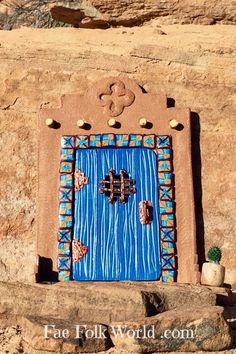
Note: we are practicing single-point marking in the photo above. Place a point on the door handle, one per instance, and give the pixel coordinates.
(145, 212)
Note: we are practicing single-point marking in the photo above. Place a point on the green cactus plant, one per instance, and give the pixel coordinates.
(214, 254)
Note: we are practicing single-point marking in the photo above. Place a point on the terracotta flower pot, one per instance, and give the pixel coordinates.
(213, 274)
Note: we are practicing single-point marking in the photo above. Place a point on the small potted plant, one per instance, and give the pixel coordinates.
(213, 273)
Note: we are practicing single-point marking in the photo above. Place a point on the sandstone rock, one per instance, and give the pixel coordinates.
(230, 315)
(135, 12)
(104, 14)
(193, 65)
(27, 334)
(11, 339)
(119, 351)
(99, 302)
(44, 334)
(188, 330)
(224, 296)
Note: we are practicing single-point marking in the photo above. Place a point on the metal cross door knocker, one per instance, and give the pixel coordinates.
(117, 186)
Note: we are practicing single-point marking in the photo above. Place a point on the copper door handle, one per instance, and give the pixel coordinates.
(145, 212)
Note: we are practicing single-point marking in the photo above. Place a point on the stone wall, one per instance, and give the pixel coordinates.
(193, 65)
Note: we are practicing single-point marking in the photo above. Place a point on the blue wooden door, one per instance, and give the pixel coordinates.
(119, 246)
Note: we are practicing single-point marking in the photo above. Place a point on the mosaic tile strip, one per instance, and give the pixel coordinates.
(166, 193)
(65, 221)
(64, 275)
(64, 263)
(63, 249)
(67, 154)
(165, 178)
(168, 248)
(65, 208)
(163, 141)
(66, 194)
(167, 234)
(135, 140)
(66, 180)
(166, 206)
(162, 146)
(167, 220)
(108, 140)
(149, 141)
(96, 140)
(168, 276)
(168, 262)
(164, 154)
(64, 235)
(122, 140)
(66, 167)
(164, 166)
(68, 141)
(82, 141)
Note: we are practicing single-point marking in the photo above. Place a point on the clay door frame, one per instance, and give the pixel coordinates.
(123, 99)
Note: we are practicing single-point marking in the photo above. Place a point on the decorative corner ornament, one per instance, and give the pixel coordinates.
(80, 180)
(78, 250)
(115, 97)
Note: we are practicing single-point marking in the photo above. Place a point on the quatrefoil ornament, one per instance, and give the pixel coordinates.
(115, 97)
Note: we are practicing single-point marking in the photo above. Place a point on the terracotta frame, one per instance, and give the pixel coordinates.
(121, 98)
(161, 145)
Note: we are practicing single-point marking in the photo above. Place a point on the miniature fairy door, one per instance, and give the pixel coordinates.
(107, 214)
(101, 141)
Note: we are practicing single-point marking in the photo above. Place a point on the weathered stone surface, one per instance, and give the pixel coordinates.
(209, 332)
(26, 335)
(112, 13)
(104, 14)
(224, 296)
(78, 337)
(192, 64)
(10, 339)
(120, 351)
(99, 302)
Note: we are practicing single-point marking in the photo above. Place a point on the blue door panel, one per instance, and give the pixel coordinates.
(119, 246)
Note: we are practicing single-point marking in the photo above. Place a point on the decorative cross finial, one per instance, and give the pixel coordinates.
(115, 97)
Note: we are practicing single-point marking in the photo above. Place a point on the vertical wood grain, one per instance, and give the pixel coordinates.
(119, 246)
